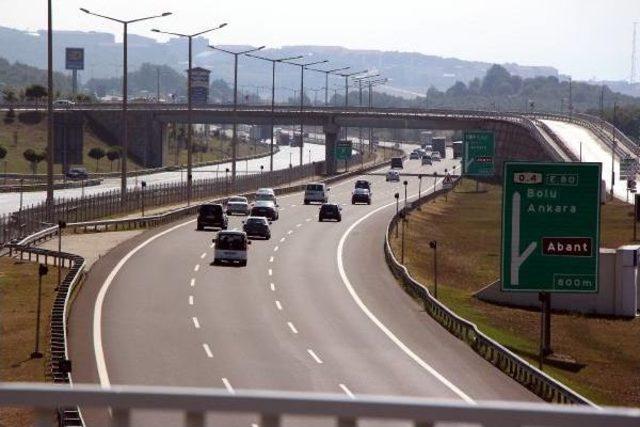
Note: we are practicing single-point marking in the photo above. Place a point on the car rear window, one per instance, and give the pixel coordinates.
(210, 209)
(231, 242)
(314, 187)
(255, 221)
(362, 184)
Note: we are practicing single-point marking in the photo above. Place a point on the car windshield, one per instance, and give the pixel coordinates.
(210, 210)
(231, 242)
(314, 187)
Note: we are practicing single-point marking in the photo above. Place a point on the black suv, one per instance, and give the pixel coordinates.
(212, 215)
(330, 211)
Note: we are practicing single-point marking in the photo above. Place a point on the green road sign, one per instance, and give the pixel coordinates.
(478, 153)
(551, 227)
(344, 150)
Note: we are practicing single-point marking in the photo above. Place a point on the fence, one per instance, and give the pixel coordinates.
(508, 362)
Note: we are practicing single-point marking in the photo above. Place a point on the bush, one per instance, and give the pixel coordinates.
(9, 116)
(31, 117)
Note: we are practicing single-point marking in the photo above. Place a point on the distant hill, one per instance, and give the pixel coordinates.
(17, 76)
(411, 73)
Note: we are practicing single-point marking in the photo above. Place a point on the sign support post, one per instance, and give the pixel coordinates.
(478, 154)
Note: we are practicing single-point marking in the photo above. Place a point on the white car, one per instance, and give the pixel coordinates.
(393, 175)
(231, 246)
(435, 156)
(316, 192)
(239, 199)
(266, 195)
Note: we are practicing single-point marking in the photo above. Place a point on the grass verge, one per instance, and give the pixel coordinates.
(18, 297)
(467, 228)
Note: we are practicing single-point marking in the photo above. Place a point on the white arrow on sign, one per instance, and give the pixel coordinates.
(516, 258)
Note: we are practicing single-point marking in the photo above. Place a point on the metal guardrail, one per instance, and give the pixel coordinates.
(271, 409)
(505, 360)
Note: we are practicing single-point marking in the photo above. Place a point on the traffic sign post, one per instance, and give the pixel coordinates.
(478, 154)
(550, 232)
(344, 149)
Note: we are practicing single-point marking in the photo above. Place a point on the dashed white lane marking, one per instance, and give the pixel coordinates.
(227, 385)
(195, 322)
(377, 322)
(212, 245)
(276, 249)
(347, 391)
(279, 305)
(207, 350)
(308, 219)
(298, 225)
(255, 425)
(271, 258)
(282, 240)
(292, 327)
(270, 272)
(193, 282)
(203, 256)
(272, 286)
(282, 209)
(293, 206)
(290, 232)
(314, 356)
(197, 267)
(190, 299)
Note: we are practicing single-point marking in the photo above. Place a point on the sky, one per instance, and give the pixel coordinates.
(582, 38)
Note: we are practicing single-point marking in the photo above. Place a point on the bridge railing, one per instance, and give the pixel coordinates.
(273, 409)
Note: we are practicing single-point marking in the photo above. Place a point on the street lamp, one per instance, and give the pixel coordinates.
(273, 94)
(302, 68)
(234, 137)
(434, 245)
(42, 271)
(189, 37)
(360, 80)
(405, 193)
(397, 196)
(124, 142)
(143, 185)
(326, 80)
(49, 108)
(346, 92)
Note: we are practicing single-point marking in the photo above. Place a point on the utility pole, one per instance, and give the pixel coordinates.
(49, 110)
(632, 77)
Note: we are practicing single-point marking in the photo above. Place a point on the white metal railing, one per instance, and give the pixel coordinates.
(271, 407)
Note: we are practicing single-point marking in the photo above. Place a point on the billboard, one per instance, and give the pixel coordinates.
(200, 85)
(74, 58)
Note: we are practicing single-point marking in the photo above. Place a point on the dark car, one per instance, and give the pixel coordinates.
(212, 215)
(361, 195)
(364, 184)
(266, 209)
(396, 163)
(77, 173)
(330, 211)
(257, 226)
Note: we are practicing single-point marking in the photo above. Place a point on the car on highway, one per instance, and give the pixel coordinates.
(396, 163)
(363, 183)
(316, 192)
(427, 148)
(231, 246)
(393, 175)
(330, 211)
(240, 208)
(265, 208)
(426, 159)
(435, 156)
(238, 199)
(77, 173)
(212, 215)
(266, 194)
(257, 226)
(415, 155)
(63, 103)
(361, 195)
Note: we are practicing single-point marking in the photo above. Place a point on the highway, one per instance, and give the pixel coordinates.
(10, 202)
(316, 309)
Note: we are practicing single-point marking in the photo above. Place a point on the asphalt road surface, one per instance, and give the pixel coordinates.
(316, 309)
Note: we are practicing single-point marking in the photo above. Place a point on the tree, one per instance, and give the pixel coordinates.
(35, 92)
(96, 153)
(3, 152)
(34, 158)
(9, 95)
(113, 154)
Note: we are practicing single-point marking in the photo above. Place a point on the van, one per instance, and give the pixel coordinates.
(396, 163)
(212, 215)
(316, 192)
(231, 246)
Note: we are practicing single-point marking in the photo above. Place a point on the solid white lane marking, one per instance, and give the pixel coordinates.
(347, 391)
(276, 249)
(290, 232)
(98, 348)
(227, 385)
(282, 209)
(197, 267)
(278, 305)
(282, 240)
(195, 322)
(207, 350)
(270, 272)
(377, 322)
(203, 256)
(272, 286)
(314, 356)
(271, 258)
(192, 282)
(298, 225)
(292, 327)
(190, 299)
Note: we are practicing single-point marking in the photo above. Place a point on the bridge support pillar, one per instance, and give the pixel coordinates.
(330, 137)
